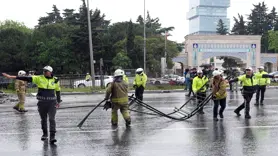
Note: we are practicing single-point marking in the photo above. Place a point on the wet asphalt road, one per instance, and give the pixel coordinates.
(199, 136)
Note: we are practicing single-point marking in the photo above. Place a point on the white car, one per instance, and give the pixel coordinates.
(275, 74)
(83, 83)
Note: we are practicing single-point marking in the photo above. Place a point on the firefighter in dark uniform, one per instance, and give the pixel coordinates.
(48, 100)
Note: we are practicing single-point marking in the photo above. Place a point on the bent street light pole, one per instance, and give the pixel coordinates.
(91, 46)
(145, 35)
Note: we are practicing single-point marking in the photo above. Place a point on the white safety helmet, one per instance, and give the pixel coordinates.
(139, 70)
(21, 73)
(249, 68)
(261, 67)
(118, 72)
(199, 72)
(216, 73)
(48, 68)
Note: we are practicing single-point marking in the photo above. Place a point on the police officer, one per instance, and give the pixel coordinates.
(249, 84)
(48, 101)
(88, 77)
(139, 83)
(199, 88)
(262, 82)
(20, 87)
(118, 90)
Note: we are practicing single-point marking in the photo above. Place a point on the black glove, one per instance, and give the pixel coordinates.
(107, 105)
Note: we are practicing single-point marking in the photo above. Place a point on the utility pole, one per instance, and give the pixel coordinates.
(165, 54)
(144, 35)
(101, 73)
(91, 46)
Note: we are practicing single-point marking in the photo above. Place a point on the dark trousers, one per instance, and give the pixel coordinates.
(139, 91)
(47, 109)
(222, 103)
(246, 104)
(201, 97)
(261, 89)
(190, 89)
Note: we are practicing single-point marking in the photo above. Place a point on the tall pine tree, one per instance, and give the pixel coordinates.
(221, 28)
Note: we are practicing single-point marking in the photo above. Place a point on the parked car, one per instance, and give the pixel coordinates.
(159, 81)
(83, 83)
(4, 83)
(275, 74)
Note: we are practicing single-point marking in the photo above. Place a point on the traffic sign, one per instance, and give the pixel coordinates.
(195, 45)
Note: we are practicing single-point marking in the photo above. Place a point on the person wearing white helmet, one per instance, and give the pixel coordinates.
(88, 77)
(262, 83)
(219, 94)
(199, 88)
(49, 99)
(117, 92)
(249, 84)
(139, 83)
(20, 87)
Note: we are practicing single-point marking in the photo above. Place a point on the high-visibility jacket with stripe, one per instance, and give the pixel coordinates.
(262, 81)
(117, 91)
(198, 83)
(46, 87)
(140, 80)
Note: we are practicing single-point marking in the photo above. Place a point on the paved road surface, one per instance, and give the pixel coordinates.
(199, 136)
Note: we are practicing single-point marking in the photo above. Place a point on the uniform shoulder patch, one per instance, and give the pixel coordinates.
(56, 79)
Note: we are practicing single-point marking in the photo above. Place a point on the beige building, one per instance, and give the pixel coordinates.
(245, 49)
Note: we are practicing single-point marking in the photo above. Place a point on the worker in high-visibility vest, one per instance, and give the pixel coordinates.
(262, 83)
(199, 88)
(139, 83)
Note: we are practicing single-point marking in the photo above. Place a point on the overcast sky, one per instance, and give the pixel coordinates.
(170, 12)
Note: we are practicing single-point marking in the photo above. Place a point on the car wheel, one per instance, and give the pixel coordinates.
(81, 85)
(157, 83)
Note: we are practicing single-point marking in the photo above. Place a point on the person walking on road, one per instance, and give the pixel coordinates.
(139, 83)
(262, 83)
(249, 84)
(48, 99)
(199, 88)
(117, 91)
(20, 87)
(219, 94)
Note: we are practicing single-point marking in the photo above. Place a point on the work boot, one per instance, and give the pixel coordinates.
(22, 110)
(237, 113)
(247, 116)
(257, 103)
(15, 108)
(127, 123)
(52, 139)
(44, 136)
(221, 115)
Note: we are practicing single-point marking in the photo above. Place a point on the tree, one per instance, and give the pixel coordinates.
(240, 27)
(52, 17)
(121, 60)
(273, 40)
(130, 42)
(221, 28)
(228, 62)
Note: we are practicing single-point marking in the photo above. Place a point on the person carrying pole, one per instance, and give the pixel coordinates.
(117, 92)
(199, 88)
